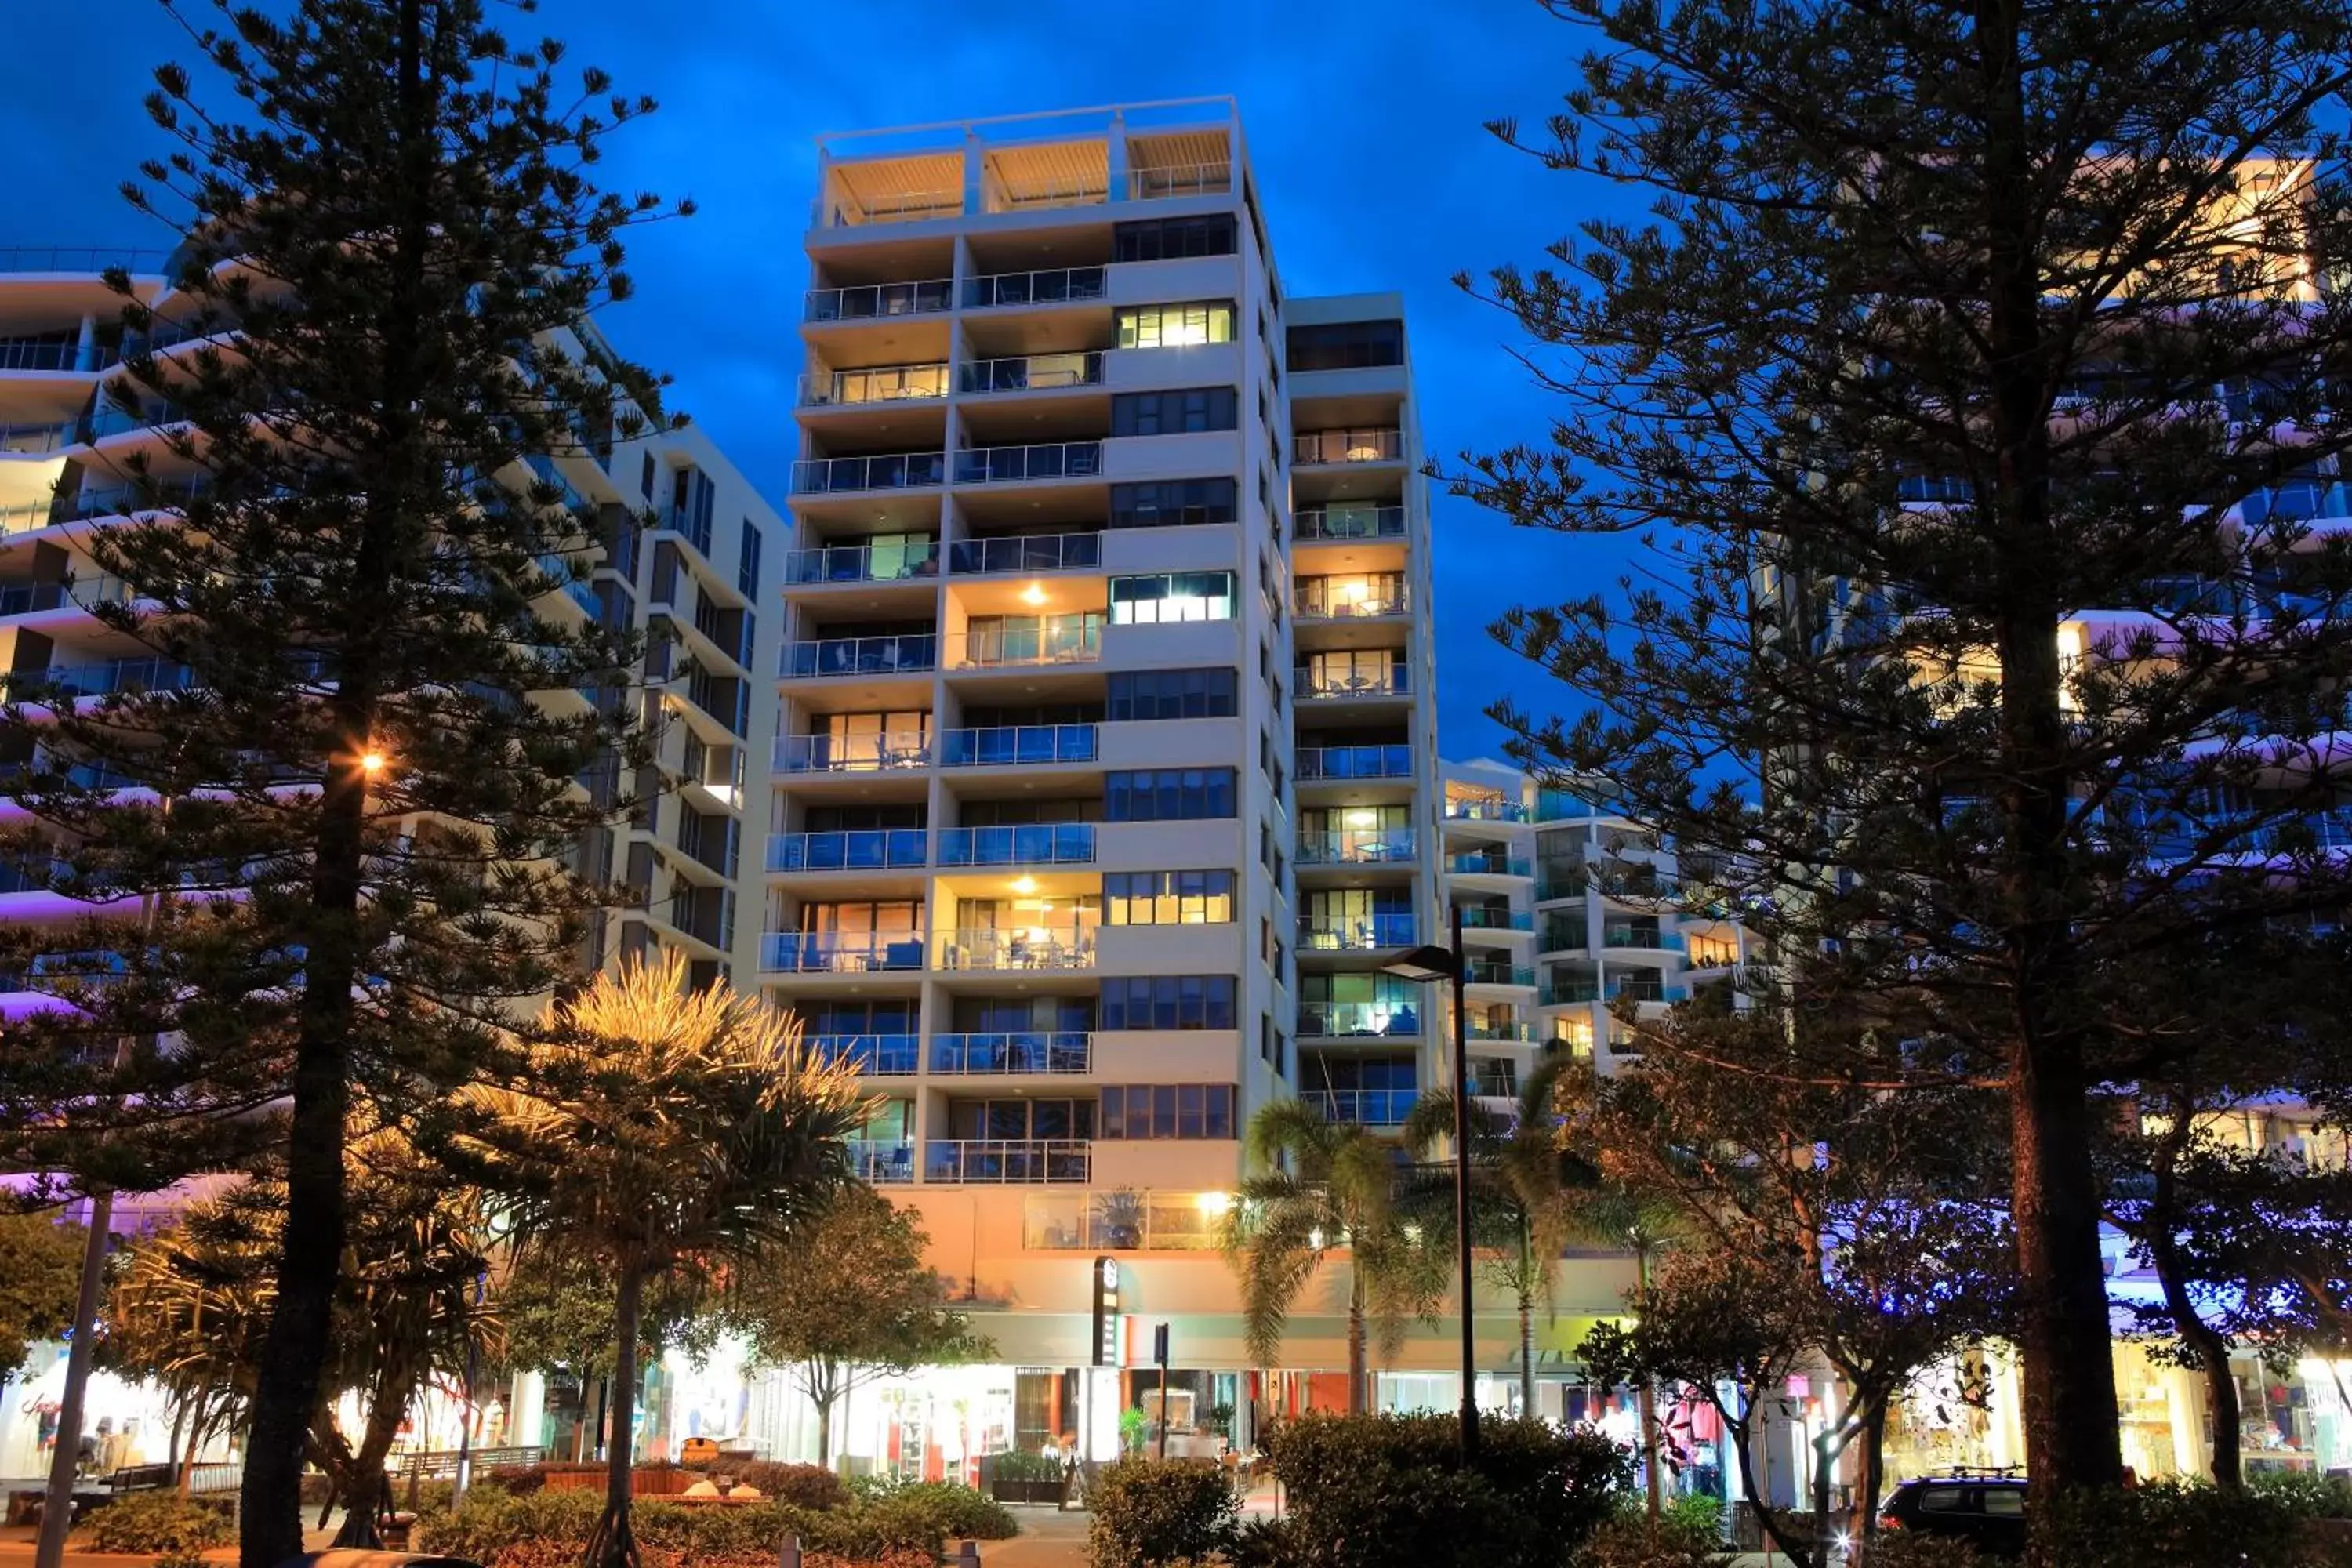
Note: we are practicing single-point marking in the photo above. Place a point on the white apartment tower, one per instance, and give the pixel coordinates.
(1105, 765)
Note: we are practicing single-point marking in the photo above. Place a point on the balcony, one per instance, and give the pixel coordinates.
(35, 440)
(1358, 1021)
(1312, 685)
(1031, 844)
(881, 1162)
(910, 653)
(1363, 1107)
(52, 354)
(24, 598)
(1348, 447)
(1023, 948)
(882, 384)
(1163, 182)
(1355, 933)
(1347, 599)
(112, 678)
(1076, 641)
(1495, 971)
(875, 1056)
(1054, 286)
(1472, 863)
(1572, 993)
(1021, 1051)
(1026, 552)
(1032, 373)
(1018, 745)
(862, 849)
(874, 302)
(839, 953)
(883, 471)
(861, 563)
(1331, 762)
(852, 754)
(1497, 920)
(1349, 522)
(1646, 938)
(1384, 846)
(1484, 811)
(1009, 465)
(1513, 1034)
(77, 258)
(1008, 1162)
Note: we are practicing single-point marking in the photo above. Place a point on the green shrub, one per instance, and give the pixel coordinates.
(1149, 1513)
(1911, 1549)
(2304, 1493)
(810, 1487)
(1388, 1492)
(945, 1510)
(2171, 1524)
(517, 1481)
(1630, 1541)
(159, 1522)
(1019, 1467)
(179, 1559)
(1695, 1510)
(1261, 1543)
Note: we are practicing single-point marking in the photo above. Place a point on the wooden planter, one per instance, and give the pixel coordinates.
(643, 1482)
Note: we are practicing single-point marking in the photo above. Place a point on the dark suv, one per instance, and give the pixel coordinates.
(1987, 1511)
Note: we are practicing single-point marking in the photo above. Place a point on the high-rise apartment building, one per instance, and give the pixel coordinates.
(1104, 767)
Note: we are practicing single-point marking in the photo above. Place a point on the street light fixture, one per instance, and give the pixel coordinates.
(1422, 966)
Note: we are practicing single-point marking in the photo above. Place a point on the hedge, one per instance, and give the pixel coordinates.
(1150, 1513)
(162, 1522)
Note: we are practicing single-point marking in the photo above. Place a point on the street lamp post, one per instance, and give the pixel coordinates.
(1424, 964)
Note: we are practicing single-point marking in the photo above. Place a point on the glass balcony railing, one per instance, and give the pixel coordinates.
(1349, 522)
(1018, 1051)
(1074, 641)
(77, 258)
(1491, 972)
(1162, 182)
(1472, 863)
(1358, 848)
(862, 563)
(1648, 938)
(880, 1162)
(908, 653)
(1008, 1162)
(1358, 1020)
(868, 301)
(35, 440)
(1017, 745)
(1049, 460)
(114, 677)
(1348, 447)
(1026, 552)
(1347, 599)
(1569, 993)
(1032, 373)
(122, 500)
(1054, 286)
(852, 754)
(1359, 933)
(1030, 843)
(839, 953)
(849, 210)
(1497, 920)
(1364, 1107)
(875, 1056)
(1020, 947)
(883, 471)
(26, 598)
(1507, 1033)
(861, 849)
(53, 354)
(1351, 681)
(1484, 811)
(1354, 762)
(882, 384)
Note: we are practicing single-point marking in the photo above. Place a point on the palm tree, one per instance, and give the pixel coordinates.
(1324, 1186)
(1530, 1199)
(655, 1130)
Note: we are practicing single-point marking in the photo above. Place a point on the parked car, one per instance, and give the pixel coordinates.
(1987, 1511)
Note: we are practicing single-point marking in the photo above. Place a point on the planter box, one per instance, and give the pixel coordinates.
(1024, 1492)
(642, 1482)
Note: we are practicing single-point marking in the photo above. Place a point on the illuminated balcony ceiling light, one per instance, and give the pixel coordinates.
(1035, 594)
(1025, 884)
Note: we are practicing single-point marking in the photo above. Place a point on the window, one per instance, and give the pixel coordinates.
(1168, 898)
(1168, 795)
(1168, 1002)
(1185, 412)
(1171, 238)
(1176, 326)
(1267, 1050)
(646, 477)
(1211, 693)
(1162, 597)
(1174, 503)
(1346, 345)
(1167, 1111)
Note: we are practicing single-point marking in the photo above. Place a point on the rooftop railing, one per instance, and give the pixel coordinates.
(1355, 763)
(904, 654)
(1008, 1162)
(1020, 947)
(1027, 844)
(1178, 180)
(1017, 745)
(839, 953)
(1357, 847)
(1054, 286)
(883, 471)
(1363, 1107)
(1350, 523)
(1026, 552)
(1001, 196)
(858, 850)
(852, 754)
(1031, 373)
(1049, 460)
(862, 563)
(1348, 447)
(882, 384)
(900, 206)
(868, 301)
(1067, 643)
(1017, 1051)
(1341, 933)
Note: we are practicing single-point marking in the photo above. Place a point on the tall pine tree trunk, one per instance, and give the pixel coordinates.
(2211, 1350)
(614, 1546)
(369, 1491)
(2069, 1395)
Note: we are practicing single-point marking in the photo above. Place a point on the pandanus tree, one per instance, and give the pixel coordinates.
(1320, 1190)
(663, 1132)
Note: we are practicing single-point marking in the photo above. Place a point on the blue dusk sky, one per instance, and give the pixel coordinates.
(1363, 120)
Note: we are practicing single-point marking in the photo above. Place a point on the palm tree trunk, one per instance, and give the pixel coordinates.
(1528, 1319)
(1359, 1394)
(369, 1490)
(612, 1545)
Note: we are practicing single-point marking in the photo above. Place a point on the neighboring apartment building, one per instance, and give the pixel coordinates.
(701, 583)
(1105, 771)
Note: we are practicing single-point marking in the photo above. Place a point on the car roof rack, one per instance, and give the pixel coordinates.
(1979, 1473)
